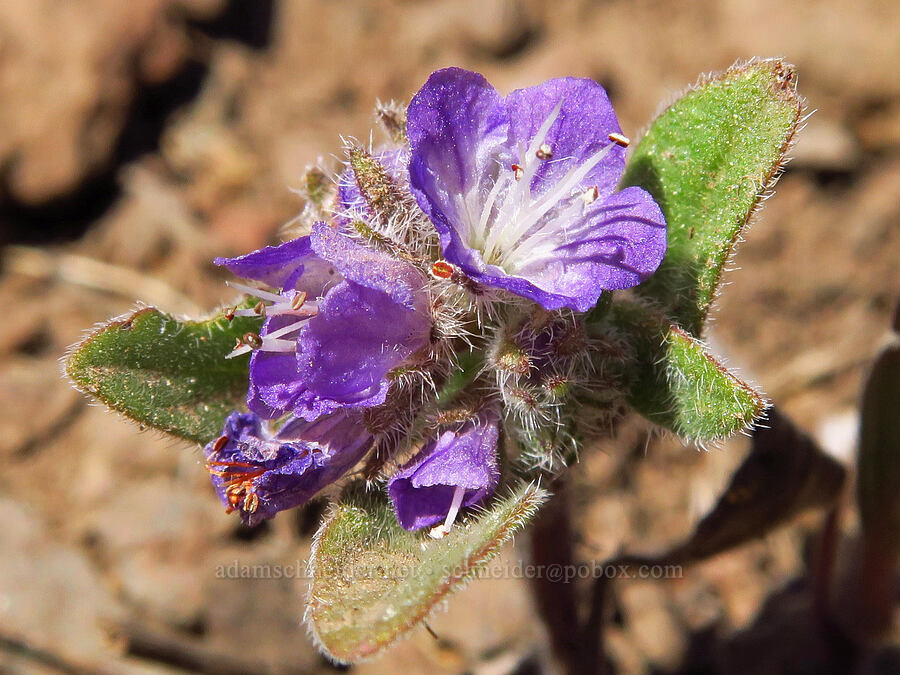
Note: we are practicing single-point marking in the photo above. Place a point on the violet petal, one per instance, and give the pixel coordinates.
(261, 474)
(423, 489)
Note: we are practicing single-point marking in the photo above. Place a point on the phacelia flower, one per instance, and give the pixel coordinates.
(261, 474)
(522, 189)
(456, 469)
(345, 317)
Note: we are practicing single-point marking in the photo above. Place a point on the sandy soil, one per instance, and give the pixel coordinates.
(138, 140)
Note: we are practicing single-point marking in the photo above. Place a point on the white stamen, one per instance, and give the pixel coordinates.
(290, 328)
(267, 346)
(256, 292)
(540, 137)
(519, 193)
(279, 308)
(562, 190)
(278, 345)
(237, 351)
(444, 529)
(620, 139)
(492, 197)
(270, 341)
(534, 244)
(512, 226)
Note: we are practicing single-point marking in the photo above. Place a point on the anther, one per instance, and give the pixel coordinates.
(620, 139)
(298, 300)
(251, 502)
(590, 195)
(518, 171)
(442, 270)
(260, 308)
(229, 312)
(252, 340)
(220, 443)
(234, 500)
(544, 152)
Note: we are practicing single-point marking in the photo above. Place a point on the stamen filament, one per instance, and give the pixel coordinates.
(521, 251)
(256, 292)
(279, 308)
(519, 193)
(562, 189)
(458, 495)
(290, 328)
(440, 531)
(268, 345)
(270, 341)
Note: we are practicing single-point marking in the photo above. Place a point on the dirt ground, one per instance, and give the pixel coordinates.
(140, 139)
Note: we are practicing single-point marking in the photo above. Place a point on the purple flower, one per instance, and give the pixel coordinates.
(454, 470)
(522, 189)
(261, 474)
(347, 315)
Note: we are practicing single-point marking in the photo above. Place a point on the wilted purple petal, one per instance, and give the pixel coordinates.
(370, 268)
(456, 463)
(261, 474)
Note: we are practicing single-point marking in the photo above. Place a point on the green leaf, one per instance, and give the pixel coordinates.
(372, 580)
(168, 374)
(707, 160)
(675, 382)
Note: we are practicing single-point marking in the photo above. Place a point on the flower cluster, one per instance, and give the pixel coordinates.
(430, 317)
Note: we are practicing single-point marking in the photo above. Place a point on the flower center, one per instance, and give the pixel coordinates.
(291, 303)
(514, 226)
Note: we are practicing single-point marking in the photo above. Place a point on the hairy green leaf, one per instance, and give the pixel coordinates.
(674, 381)
(166, 373)
(708, 159)
(372, 580)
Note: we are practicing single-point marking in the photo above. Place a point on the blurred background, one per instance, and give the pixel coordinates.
(140, 139)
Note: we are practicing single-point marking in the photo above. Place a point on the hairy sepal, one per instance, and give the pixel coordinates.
(674, 381)
(373, 581)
